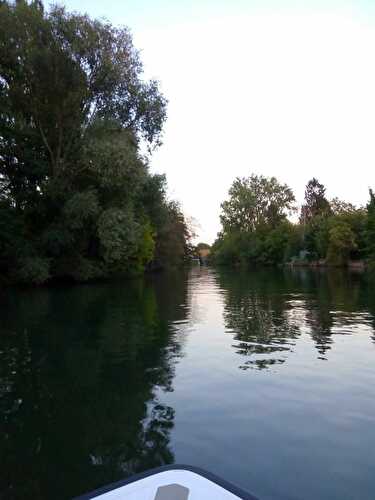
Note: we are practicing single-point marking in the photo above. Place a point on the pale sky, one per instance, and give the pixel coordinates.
(283, 88)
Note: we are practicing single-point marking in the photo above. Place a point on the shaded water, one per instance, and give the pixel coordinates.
(266, 378)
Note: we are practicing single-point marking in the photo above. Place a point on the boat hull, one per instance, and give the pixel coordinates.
(174, 482)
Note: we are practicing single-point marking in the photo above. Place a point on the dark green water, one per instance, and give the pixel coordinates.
(265, 378)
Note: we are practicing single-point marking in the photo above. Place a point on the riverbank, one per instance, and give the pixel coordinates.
(355, 265)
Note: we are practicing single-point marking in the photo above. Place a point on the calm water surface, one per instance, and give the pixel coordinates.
(266, 378)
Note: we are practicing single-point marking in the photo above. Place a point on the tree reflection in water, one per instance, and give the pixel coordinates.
(78, 381)
(268, 311)
(83, 369)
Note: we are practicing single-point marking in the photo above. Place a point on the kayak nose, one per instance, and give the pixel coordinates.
(171, 482)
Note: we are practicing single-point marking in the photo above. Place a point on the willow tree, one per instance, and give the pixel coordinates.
(74, 109)
(62, 71)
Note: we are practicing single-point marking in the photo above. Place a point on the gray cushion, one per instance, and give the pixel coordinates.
(172, 492)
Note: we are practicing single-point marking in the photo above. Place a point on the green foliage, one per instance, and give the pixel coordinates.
(76, 196)
(295, 243)
(313, 218)
(254, 202)
(341, 242)
(333, 233)
(255, 227)
(81, 208)
(11, 236)
(321, 229)
(203, 246)
(370, 230)
(340, 207)
(174, 236)
(146, 247)
(316, 236)
(118, 234)
(267, 246)
(275, 244)
(357, 220)
(83, 269)
(234, 248)
(316, 203)
(33, 270)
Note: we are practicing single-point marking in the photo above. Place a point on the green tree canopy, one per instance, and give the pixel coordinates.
(203, 246)
(75, 113)
(254, 202)
(316, 203)
(341, 242)
(370, 229)
(256, 230)
(340, 207)
(59, 73)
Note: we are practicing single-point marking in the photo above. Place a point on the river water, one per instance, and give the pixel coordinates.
(266, 378)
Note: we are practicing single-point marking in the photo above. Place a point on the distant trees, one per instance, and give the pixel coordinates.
(203, 246)
(370, 229)
(202, 251)
(338, 207)
(255, 228)
(341, 242)
(331, 230)
(76, 196)
(173, 243)
(255, 202)
(316, 203)
(254, 221)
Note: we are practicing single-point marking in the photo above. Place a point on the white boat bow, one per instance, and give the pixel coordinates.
(176, 482)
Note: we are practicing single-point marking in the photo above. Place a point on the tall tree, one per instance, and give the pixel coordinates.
(316, 202)
(254, 202)
(74, 113)
(60, 72)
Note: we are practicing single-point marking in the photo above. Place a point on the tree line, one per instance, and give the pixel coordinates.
(256, 228)
(77, 127)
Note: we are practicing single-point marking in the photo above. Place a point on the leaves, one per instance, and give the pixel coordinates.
(81, 208)
(76, 195)
(254, 202)
(34, 270)
(256, 230)
(119, 235)
(341, 242)
(316, 203)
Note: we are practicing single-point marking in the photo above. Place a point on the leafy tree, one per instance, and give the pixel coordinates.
(370, 229)
(202, 246)
(174, 242)
(341, 242)
(356, 219)
(74, 113)
(275, 244)
(294, 245)
(254, 220)
(234, 248)
(316, 203)
(254, 202)
(60, 72)
(339, 207)
(333, 234)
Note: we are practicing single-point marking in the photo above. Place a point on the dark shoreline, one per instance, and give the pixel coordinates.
(359, 265)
